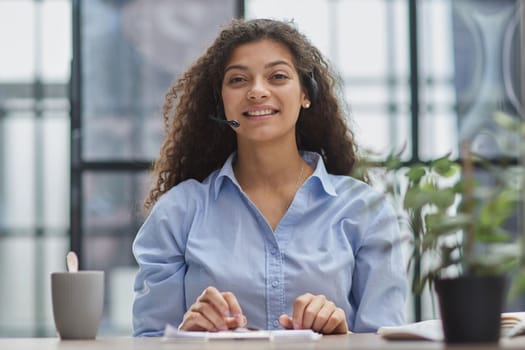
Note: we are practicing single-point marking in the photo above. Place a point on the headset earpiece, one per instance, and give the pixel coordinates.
(312, 87)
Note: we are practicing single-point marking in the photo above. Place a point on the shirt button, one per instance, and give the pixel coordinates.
(275, 323)
(275, 284)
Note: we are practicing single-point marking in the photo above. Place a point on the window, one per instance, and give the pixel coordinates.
(35, 38)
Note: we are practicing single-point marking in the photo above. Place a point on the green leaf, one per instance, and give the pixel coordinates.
(458, 187)
(491, 235)
(417, 197)
(393, 162)
(444, 166)
(442, 224)
(518, 284)
(443, 198)
(495, 212)
(416, 172)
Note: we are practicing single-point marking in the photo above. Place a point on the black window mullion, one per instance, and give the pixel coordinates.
(414, 119)
(414, 77)
(240, 9)
(76, 135)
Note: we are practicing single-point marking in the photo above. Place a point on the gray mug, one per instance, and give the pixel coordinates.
(78, 302)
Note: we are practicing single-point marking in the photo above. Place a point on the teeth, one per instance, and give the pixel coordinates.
(262, 112)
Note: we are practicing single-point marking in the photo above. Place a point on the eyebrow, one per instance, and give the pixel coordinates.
(268, 65)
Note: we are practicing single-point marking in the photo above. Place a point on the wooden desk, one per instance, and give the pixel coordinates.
(333, 342)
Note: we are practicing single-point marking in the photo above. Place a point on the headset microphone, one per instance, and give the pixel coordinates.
(233, 123)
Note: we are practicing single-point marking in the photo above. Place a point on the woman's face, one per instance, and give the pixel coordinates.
(262, 90)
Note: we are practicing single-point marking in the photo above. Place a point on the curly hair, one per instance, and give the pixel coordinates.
(195, 146)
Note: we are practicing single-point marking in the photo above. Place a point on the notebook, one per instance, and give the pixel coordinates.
(512, 325)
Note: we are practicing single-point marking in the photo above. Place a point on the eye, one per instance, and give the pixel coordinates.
(236, 80)
(279, 76)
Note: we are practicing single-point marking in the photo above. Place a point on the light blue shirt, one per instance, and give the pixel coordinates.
(339, 238)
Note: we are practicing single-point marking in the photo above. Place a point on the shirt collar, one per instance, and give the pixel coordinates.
(225, 172)
(316, 161)
(312, 158)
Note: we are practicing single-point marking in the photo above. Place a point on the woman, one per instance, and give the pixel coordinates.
(254, 219)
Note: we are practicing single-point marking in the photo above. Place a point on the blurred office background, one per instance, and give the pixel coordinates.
(82, 84)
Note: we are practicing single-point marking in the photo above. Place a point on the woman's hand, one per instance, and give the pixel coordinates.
(317, 313)
(213, 311)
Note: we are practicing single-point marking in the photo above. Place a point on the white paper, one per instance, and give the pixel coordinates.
(171, 333)
(425, 330)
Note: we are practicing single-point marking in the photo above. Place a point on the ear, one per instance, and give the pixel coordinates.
(305, 101)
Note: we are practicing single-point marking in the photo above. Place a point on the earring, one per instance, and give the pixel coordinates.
(306, 105)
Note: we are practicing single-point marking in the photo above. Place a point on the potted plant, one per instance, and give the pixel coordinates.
(459, 240)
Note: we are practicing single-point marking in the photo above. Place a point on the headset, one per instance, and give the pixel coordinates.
(311, 87)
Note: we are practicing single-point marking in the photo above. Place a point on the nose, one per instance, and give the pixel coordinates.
(257, 91)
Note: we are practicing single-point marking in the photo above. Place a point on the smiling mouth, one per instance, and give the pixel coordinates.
(262, 112)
